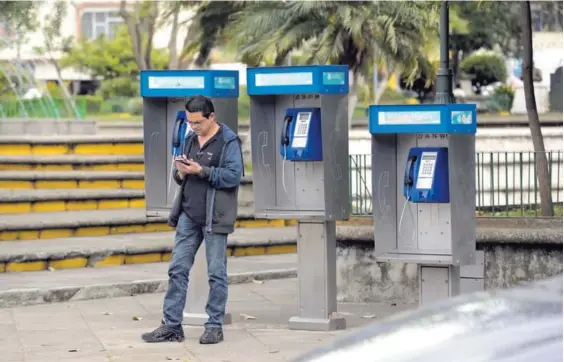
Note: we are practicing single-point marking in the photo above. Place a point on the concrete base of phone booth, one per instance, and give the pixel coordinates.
(164, 93)
(198, 290)
(317, 278)
(313, 187)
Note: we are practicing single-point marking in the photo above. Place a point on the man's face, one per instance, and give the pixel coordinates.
(200, 124)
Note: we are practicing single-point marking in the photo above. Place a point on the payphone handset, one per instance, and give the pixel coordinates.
(179, 133)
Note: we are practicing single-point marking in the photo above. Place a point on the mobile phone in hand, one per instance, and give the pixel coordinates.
(184, 161)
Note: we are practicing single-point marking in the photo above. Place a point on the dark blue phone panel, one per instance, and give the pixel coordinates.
(301, 135)
(426, 175)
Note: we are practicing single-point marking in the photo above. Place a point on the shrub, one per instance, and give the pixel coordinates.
(484, 69)
(93, 103)
(119, 87)
(501, 100)
(135, 106)
(115, 105)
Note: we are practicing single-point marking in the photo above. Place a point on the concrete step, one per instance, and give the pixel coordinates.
(71, 179)
(54, 200)
(115, 250)
(78, 145)
(49, 225)
(72, 163)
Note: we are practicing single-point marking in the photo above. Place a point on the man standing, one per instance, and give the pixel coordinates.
(209, 173)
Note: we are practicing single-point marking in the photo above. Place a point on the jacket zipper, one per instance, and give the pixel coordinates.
(210, 215)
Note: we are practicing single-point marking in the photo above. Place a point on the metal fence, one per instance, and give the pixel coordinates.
(506, 183)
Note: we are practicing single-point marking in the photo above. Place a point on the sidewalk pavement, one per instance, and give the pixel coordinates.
(108, 330)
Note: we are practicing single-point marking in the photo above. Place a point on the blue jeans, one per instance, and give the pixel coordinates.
(187, 241)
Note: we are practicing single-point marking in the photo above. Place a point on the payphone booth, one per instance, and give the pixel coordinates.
(165, 93)
(424, 191)
(299, 140)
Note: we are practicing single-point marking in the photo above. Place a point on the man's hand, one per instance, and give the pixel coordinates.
(186, 166)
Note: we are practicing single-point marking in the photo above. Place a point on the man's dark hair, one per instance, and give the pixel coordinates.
(200, 104)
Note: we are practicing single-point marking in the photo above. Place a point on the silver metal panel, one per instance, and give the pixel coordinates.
(462, 170)
(317, 279)
(406, 213)
(285, 180)
(308, 176)
(471, 285)
(334, 129)
(438, 283)
(309, 186)
(385, 181)
(433, 220)
(264, 152)
(154, 147)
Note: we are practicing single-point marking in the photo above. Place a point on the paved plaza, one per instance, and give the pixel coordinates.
(108, 330)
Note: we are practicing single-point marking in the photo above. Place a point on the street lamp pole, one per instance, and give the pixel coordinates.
(443, 94)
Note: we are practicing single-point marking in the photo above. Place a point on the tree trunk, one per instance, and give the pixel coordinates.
(151, 22)
(134, 34)
(534, 123)
(353, 97)
(173, 62)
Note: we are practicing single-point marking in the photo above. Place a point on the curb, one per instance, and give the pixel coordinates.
(26, 297)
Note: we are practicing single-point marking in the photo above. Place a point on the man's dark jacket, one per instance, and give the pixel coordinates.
(221, 195)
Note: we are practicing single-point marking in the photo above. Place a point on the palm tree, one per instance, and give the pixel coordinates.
(356, 34)
(208, 27)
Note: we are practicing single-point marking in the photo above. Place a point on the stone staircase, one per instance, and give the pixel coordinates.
(53, 187)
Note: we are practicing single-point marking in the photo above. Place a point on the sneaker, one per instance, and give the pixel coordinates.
(212, 335)
(164, 334)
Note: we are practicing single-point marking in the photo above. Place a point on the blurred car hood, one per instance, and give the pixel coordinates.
(520, 324)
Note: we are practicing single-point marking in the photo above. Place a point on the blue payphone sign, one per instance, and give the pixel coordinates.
(321, 79)
(185, 83)
(423, 118)
(301, 135)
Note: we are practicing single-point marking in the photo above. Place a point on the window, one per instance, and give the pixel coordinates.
(94, 23)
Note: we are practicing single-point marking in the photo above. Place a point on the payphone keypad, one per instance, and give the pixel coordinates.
(302, 126)
(302, 129)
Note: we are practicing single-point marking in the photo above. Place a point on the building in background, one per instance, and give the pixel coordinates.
(86, 19)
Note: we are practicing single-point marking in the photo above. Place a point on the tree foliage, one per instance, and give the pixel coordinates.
(353, 33)
(489, 25)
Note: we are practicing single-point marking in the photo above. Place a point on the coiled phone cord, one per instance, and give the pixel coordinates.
(283, 170)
